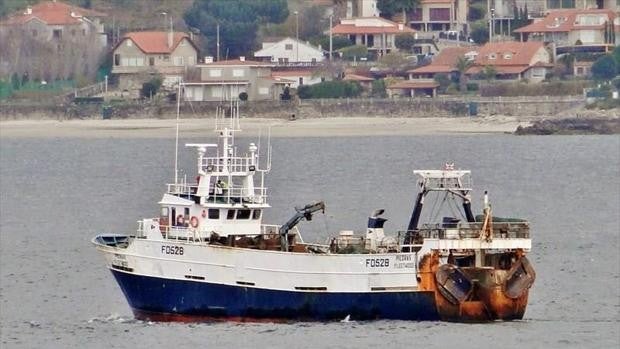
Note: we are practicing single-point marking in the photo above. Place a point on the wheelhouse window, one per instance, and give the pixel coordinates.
(164, 211)
(256, 214)
(243, 214)
(214, 213)
(230, 214)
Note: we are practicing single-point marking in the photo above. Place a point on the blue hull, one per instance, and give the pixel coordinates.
(165, 299)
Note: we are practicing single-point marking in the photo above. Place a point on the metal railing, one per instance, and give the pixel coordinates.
(464, 230)
(234, 193)
(233, 164)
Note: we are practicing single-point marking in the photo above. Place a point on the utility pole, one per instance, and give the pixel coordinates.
(297, 36)
(330, 36)
(217, 34)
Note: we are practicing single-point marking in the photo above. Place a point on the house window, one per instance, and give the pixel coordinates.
(301, 80)
(129, 43)
(238, 73)
(439, 14)
(83, 32)
(178, 61)
(263, 91)
(166, 58)
(492, 56)
(288, 47)
(34, 32)
(72, 32)
(57, 34)
(214, 213)
(282, 60)
(151, 61)
(215, 73)
(140, 61)
(507, 55)
(216, 91)
(579, 71)
(117, 59)
(538, 72)
(191, 60)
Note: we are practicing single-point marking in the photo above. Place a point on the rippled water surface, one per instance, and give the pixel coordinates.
(56, 194)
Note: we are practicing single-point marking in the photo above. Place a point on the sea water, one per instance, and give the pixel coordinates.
(57, 193)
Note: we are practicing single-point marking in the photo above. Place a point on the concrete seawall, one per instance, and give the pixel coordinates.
(323, 108)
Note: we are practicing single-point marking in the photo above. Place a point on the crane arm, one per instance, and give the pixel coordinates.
(303, 212)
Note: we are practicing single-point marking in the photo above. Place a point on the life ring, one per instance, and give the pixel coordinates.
(194, 222)
(204, 213)
(180, 219)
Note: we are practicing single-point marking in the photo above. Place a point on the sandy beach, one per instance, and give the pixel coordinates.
(343, 126)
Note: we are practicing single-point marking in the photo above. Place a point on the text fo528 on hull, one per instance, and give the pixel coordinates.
(209, 256)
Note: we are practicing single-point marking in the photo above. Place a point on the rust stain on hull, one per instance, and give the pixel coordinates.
(487, 299)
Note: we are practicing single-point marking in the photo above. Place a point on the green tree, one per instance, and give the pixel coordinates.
(477, 11)
(354, 52)
(238, 21)
(462, 65)
(443, 80)
(378, 89)
(389, 8)
(488, 73)
(616, 54)
(405, 42)
(338, 42)
(604, 68)
(151, 87)
(480, 32)
(394, 62)
(16, 82)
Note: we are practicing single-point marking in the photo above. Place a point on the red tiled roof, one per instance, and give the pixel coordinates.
(508, 53)
(233, 62)
(155, 42)
(355, 77)
(53, 13)
(413, 84)
(566, 20)
(445, 61)
(358, 27)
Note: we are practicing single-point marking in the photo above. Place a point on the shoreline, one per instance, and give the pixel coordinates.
(315, 127)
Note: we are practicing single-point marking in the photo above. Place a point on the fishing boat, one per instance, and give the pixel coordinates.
(208, 255)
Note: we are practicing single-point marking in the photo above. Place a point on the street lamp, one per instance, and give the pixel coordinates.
(297, 36)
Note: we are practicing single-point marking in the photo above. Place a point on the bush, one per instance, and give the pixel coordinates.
(354, 52)
(330, 89)
(151, 87)
(555, 88)
(338, 42)
(472, 86)
(378, 89)
(604, 68)
(286, 94)
(405, 42)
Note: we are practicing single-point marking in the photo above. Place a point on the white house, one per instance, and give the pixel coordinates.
(289, 50)
(297, 77)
